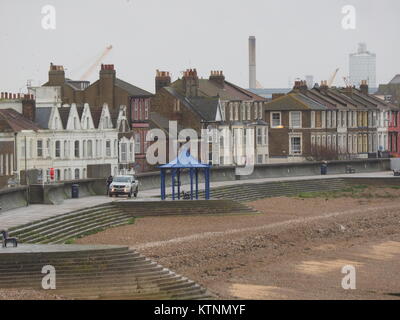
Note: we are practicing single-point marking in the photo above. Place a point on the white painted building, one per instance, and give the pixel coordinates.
(72, 139)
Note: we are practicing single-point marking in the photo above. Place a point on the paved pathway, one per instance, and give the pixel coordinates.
(36, 212)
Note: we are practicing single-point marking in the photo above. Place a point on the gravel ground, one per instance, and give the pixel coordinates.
(27, 294)
(294, 249)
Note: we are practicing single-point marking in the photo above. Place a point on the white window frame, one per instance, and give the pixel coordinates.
(280, 119)
(312, 119)
(291, 118)
(291, 136)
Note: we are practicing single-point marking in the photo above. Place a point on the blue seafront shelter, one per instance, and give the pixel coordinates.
(185, 161)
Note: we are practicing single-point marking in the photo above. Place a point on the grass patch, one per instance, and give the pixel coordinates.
(70, 241)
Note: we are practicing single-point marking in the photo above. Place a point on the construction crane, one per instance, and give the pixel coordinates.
(96, 63)
(346, 81)
(332, 78)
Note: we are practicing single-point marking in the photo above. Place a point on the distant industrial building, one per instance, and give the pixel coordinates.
(252, 63)
(362, 66)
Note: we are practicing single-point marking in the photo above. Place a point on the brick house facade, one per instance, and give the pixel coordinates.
(213, 103)
(115, 93)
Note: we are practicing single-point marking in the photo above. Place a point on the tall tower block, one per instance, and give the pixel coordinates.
(252, 62)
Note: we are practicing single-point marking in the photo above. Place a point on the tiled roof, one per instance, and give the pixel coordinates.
(131, 89)
(229, 91)
(294, 101)
(14, 121)
(159, 121)
(323, 99)
(204, 107)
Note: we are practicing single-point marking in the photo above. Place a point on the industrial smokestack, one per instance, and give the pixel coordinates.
(252, 62)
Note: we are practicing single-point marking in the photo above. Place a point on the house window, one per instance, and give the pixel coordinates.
(66, 153)
(354, 119)
(146, 109)
(108, 148)
(350, 144)
(123, 152)
(136, 110)
(58, 149)
(334, 119)
(295, 119)
(39, 148)
(243, 112)
(84, 151)
(76, 149)
(236, 111)
(137, 143)
(329, 119)
(260, 158)
(131, 151)
(76, 174)
(90, 148)
(323, 116)
(276, 119)
(295, 145)
(312, 119)
(259, 136)
(318, 121)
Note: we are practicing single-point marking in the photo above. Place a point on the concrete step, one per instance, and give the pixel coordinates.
(68, 228)
(66, 221)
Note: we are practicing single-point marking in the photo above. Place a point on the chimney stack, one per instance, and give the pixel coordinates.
(252, 62)
(190, 82)
(56, 75)
(107, 85)
(163, 79)
(218, 77)
(364, 87)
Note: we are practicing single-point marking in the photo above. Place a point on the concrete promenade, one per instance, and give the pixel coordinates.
(20, 216)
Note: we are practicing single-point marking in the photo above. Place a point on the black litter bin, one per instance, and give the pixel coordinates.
(324, 169)
(75, 191)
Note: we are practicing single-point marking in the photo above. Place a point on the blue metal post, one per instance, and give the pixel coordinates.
(162, 184)
(207, 182)
(191, 183)
(173, 183)
(178, 172)
(197, 183)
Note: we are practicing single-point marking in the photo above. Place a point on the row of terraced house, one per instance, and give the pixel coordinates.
(323, 122)
(84, 130)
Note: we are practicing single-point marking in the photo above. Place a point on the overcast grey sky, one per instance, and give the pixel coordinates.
(294, 38)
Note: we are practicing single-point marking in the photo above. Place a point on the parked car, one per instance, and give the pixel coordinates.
(125, 185)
